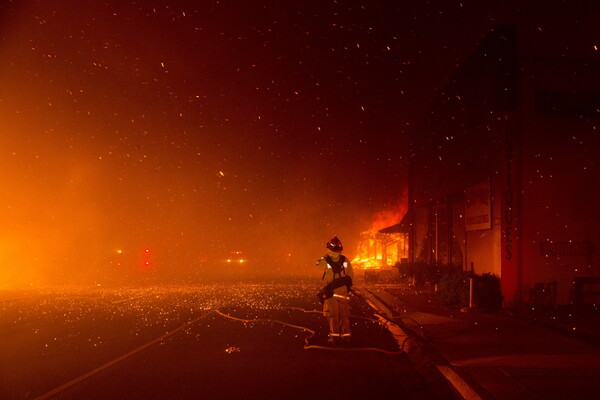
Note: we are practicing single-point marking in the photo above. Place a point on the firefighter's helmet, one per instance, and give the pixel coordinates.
(335, 244)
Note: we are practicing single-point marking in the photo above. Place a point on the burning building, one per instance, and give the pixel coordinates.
(381, 248)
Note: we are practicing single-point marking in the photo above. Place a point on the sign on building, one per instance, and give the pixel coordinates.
(549, 248)
(478, 211)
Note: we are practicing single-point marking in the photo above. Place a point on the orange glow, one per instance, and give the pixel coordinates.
(368, 254)
(389, 217)
(379, 250)
(111, 165)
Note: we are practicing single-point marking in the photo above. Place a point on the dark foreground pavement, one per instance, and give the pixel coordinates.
(492, 356)
(169, 343)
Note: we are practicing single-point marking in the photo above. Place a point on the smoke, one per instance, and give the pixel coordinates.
(115, 141)
(393, 214)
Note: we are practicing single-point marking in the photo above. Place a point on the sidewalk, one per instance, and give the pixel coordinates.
(489, 356)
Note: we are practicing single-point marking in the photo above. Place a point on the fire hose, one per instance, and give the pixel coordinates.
(307, 346)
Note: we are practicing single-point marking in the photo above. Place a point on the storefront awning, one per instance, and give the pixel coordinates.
(402, 227)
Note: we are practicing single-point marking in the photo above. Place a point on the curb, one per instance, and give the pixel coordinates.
(463, 383)
(390, 325)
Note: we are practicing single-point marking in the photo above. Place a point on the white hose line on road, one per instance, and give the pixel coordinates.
(93, 372)
(384, 323)
(399, 335)
(109, 364)
(265, 320)
(303, 310)
(312, 333)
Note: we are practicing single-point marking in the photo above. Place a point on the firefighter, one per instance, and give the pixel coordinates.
(337, 307)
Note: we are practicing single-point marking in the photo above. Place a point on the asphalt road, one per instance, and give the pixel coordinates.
(170, 343)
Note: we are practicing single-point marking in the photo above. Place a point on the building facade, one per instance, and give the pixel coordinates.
(504, 173)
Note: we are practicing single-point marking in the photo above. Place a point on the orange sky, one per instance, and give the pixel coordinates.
(195, 130)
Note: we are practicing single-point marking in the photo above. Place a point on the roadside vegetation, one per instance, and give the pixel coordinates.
(452, 284)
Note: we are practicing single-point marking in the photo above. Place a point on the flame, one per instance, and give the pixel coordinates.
(370, 252)
(380, 250)
(367, 255)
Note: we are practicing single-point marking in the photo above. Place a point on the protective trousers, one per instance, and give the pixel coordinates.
(337, 311)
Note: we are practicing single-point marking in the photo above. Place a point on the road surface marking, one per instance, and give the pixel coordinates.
(109, 364)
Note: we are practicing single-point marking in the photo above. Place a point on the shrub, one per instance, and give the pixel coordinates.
(488, 292)
(404, 270)
(433, 272)
(413, 272)
(421, 272)
(454, 287)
